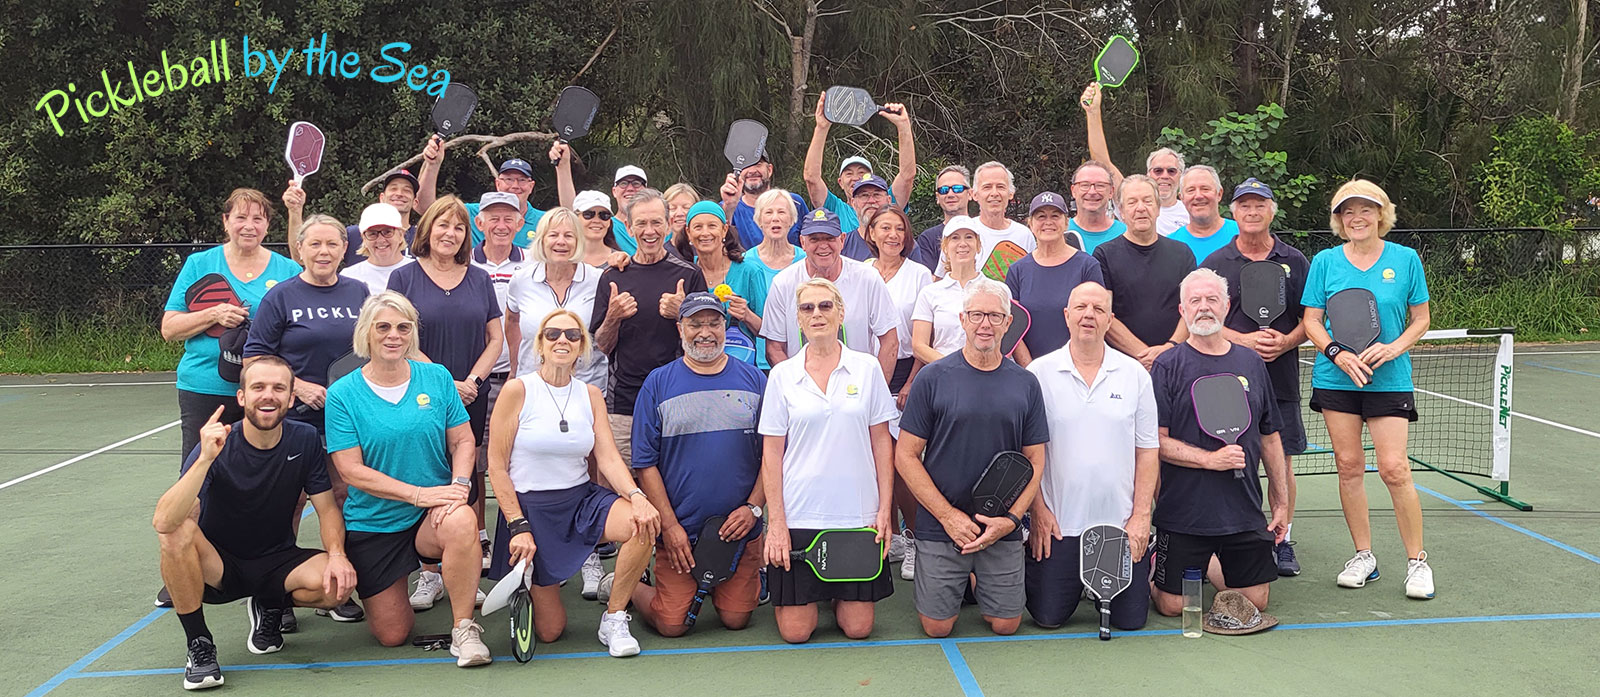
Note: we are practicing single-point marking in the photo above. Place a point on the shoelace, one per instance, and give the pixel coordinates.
(1286, 552)
(1355, 560)
(202, 652)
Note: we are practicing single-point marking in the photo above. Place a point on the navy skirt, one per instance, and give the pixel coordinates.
(566, 525)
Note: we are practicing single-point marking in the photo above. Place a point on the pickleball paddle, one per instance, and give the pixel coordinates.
(1105, 566)
(1001, 483)
(211, 290)
(714, 562)
(1263, 291)
(1115, 62)
(1222, 408)
(1353, 318)
(453, 109)
(574, 113)
(303, 151)
(746, 143)
(851, 106)
(851, 554)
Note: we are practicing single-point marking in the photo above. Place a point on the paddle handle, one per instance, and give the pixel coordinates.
(695, 605)
(557, 160)
(1105, 619)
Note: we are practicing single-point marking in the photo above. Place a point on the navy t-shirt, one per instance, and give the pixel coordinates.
(1043, 292)
(1228, 263)
(926, 251)
(750, 234)
(352, 234)
(453, 323)
(1144, 284)
(1206, 502)
(248, 499)
(855, 247)
(646, 340)
(308, 326)
(967, 415)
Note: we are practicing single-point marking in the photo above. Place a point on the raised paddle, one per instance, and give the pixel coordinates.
(1115, 62)
(1222, 408)
(851, 106)
(453, 109)
(1105, 566)
(746, 143)
(714, 562)
(1263, 291)
(303, 151)
(574, 113)
(852, 554)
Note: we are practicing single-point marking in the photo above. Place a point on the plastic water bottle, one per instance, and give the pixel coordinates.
(1191, 603)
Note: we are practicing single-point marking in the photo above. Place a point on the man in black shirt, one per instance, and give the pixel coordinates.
(1203, 508)
(1142, 270)
(226, 528)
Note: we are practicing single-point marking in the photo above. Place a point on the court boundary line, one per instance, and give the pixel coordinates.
(85, 456)
(85, 384)
(1584, 373)
(1558, 544)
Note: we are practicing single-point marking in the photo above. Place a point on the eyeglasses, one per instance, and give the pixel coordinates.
(375, 233)
(404, 328)
(808, 308)
(1092, 186)
(952, 189)
(977, 317)
(519, 181)
(630, 184)
(707, 324)
(601, 214)
(1157, 171)
(573, 335)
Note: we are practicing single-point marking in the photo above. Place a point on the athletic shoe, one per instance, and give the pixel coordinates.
(765, 597)
(478, 601)
(615, 635)
(1361, 568)
(430, 588)
(202, 670)
(467, 645)
(164, 599)
(288, 623)
(897, 549)
(266, 634)
(1419, 578)
(349, 611)
(606, 550)
(487, 551)
(908, 566)
(1287, 564)
(592, 572)
(603, 592)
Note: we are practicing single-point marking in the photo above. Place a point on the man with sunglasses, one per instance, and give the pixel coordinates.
(629, 180)
(953, 192)
(856, 169)
(1164, 165)
(514, 177)
(1091, 187)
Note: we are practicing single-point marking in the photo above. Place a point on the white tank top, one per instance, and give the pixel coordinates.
(544, 458)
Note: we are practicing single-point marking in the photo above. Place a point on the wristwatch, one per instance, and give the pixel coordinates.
(463, 481)
(754, 509)
(475, 380)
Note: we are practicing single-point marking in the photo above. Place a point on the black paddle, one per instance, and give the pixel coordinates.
(211, 290)
(851, 106)
(340, 367)
(574, 113)
(303, 151)
(852, 554)
(1115, 62)
(1222, 408)
(1105, 565)
(453, 109)
(1353, 318)
(1001, 484)
(714, 562)
(747, 142)
(1263, 291)
(523, 641)
(1021, 322)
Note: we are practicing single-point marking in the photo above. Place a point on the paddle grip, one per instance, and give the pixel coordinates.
(694, 607)
(1105, 620)
(557, 160)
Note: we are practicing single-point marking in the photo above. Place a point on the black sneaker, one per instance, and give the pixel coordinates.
(488, 552)
(766, 595)
(348, 612)
(202, 670)
(288, 624)
(1287, 564)
(163, 598)
(266, 633)
(606, 550)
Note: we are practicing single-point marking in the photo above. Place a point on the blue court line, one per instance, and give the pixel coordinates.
(1561, 370)
(1505, 523)
(951, 643)
(77, 666)
(958, 664)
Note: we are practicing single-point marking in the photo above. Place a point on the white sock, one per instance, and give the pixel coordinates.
(1288, 531)
(483, 535)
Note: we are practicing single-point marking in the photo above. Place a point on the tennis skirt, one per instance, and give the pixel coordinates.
(800, 585)
(566, 525)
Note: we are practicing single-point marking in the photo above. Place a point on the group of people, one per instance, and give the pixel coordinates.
(622, 374)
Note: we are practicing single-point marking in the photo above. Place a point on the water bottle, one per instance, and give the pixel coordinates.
(1191, 603)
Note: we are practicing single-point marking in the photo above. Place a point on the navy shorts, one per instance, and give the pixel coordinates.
(1054, 587)
(1291, 428)
(1246, 558)
(1369, 405)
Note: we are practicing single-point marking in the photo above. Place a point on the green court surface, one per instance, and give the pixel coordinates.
(1514, 614)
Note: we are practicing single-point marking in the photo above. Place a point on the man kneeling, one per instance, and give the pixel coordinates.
(226, 527)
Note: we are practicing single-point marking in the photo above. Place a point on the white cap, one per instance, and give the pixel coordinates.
(960, 222)
(629, 171)
(855, 161)
(1363, 197)
(587, 200)
(380, 215)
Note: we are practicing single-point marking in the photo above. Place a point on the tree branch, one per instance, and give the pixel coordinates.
(593, 56)
(489, 143)
(772, 12)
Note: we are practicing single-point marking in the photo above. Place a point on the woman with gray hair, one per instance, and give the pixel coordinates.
(775, 214)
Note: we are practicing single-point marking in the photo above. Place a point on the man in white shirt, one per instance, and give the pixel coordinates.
(1101, 463)
(1004, 240)
(1165, 166)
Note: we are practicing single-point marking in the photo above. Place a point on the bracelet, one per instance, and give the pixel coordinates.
(1014, 519)
(637, 490)
(1332, 350)
(416, 497)
(338, 554)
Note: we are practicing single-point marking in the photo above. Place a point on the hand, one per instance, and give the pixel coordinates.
(213, 435)
(738, 307)
(227, 315)
(1279, 525)
(437, 514)
(961, 529)
(1360, 373)
(310, 394)
(730, 188)
(680, 555)
(1045, 532)
(1230, 457)
(467, 390)
(558, 153)
(434, 150)
(822, 118)
(993, 530)
(777, 547)
(338, 578)
(1090, 101)
(895, 113)
(1147, 357)
(900, 398)
(1138, 527)
(622, 305)
(1379, 354)
(294, 197)
(522, 547)
(738, 525)
(1265, 342)
(671, 301)
(646, 520)
(438, 496)
(884, 524)
(618, 260)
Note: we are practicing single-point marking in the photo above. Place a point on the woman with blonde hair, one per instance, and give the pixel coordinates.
(936, 321)
(383, 244)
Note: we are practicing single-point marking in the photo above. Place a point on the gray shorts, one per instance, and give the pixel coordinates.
(493, 385)
(942, 579)
(622, 433)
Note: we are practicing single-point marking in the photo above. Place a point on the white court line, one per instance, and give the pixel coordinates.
(89, 384)
(87, 455)
(1555, 353)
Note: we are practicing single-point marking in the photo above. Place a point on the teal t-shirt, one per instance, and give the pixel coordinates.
(1095, 239)
(848, 220)
(197, 370)
(1204, 246)
(1398, 283)
(759, 277)
(523, 238)
(405, 441)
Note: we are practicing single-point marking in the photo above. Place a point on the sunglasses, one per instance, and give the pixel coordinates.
(591, 215)
(808, 308)
(384, 327)
(951, 189)
(1163, 170)
(376, 233)
(573, 335)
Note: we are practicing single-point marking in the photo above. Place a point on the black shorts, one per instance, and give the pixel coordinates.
(381, 558)
(1291, 428)
(261, 578)
(800, 585)
(1369, 405)
(902, 373)
(1246, 558)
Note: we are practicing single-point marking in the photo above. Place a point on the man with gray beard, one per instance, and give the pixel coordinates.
(697, 455)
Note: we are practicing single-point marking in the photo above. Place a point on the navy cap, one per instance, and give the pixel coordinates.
(402, 174)
(820, 222)
(869, 180)
(516, 165)
(700, 300)
(1048, 199)
(1252, 186)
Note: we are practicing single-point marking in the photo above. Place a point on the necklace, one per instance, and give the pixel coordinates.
(563, 408)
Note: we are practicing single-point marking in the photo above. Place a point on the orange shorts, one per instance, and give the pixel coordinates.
(675, 591)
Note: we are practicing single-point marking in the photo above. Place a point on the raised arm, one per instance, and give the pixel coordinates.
(561, 154)
(816, 187)
(1098, 150)
(428, 178)
(906, 176)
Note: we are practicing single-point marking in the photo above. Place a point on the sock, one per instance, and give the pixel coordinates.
(1288, 532)
(194, 624)
(483, 535)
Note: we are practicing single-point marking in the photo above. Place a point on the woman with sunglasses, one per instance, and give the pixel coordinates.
(953, 192)
(936, 321)
(599, 240)
(383, 243)
(546, 426)
(559, 280)
(827, 463)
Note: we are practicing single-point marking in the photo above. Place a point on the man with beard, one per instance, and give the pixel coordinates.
(855, 169)
(952, 190)
(1091, 186)
(226, 527)
(995, 187)
(868, 195)
(1207, 230)
(1163, 165)
(697, 455)
(1142, 270)
(635, 309)
(1203, 508)
(739, 194)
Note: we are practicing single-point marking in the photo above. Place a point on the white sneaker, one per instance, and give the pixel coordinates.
(1419, 578)
(430, 588)
(615, 635)
(897, 548)
(1361, 568)
(603, 594)
(467, 645)
(592, 572)
(908, 565)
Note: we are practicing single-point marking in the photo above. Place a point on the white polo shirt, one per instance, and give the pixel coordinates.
(531, 297)
(829, 478)
(376, 277)
(869, 311)
(940, 303)
(1094, 429)
(904, 288)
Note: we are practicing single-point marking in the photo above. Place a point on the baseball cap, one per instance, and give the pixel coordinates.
(869, 180)
(820, 222)
(517, 165)
(707, 208)
(497, 198)
(1046, 199)
(700, 300)
(381, 215)
(626, 171)
(587, 200)
(403, 174)
(855, 161)
(1253, 186)
(960, 222)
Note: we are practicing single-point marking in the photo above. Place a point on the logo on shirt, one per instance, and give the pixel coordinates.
(1116, 396)
(1244, 382)
(852, 390)
(291, 457)
(1285, 270)
(271, 283)
(1388, 275)
(424, 402)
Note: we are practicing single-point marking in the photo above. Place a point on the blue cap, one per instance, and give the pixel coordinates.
(820, 222)
(698, 301)
(869, 180)
(1048, 199)
(1252, 186)
(707, 208)
(516, 165)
